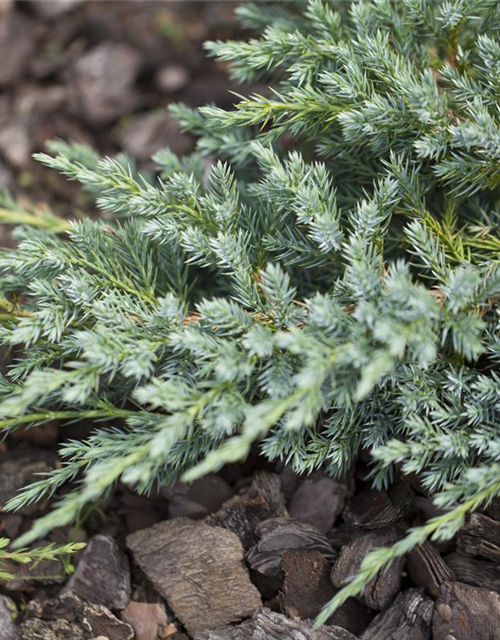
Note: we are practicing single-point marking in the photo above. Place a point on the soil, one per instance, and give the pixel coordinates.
(254, 552)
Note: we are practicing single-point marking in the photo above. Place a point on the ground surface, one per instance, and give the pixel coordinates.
(254, 552)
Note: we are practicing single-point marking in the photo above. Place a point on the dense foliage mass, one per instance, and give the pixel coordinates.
(321, 276)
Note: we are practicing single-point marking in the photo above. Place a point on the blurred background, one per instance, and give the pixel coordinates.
(101, 73)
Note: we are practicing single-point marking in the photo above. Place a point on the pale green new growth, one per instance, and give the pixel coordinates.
(34, 556)
(322, 276)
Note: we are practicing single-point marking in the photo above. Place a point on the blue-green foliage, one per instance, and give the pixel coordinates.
(336, 297)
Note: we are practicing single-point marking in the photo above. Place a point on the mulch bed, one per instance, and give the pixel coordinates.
(101, 73)
(254, 552)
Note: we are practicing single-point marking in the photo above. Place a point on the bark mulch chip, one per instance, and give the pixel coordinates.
(199, 569)
(318, 501)
(279, 536)
(268, 625)
(307, 588)
(480, 536)
(373, 509)
(381, 590)
(70, 618)
(464, 612)
(427, 568)
(261, 500)
(408, 618)
(479, 573)
(102, 575)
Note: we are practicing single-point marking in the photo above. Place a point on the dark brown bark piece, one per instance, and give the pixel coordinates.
(102, 575)
(261, 500)
(464, 612)
(199, 570)
(342, 534)
(480, 536)
(283, 535)
(70, 618)
(18, 469)
(493, 509)
(379, 592)
(479, 573)
(427, 569)
(290, 482)
(318, 501)
(268, 625)
(307, 588)
(408, 618)
(373, 509)
(198, 499)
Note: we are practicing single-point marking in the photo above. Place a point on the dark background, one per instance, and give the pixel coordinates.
(101, 73)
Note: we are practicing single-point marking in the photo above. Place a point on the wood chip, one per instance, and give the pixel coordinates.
(479, 573)
(199, 570)
(427, 569)
(268, 625)
(69, 618)
(102, 575)
(280, 536)
(493, 509)
(197, 499)
(464, 612)
(243, 514)
(318, 501)
(379, 592)
(480, 536)
(373, 509)
(307, 588)
(408, 618)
